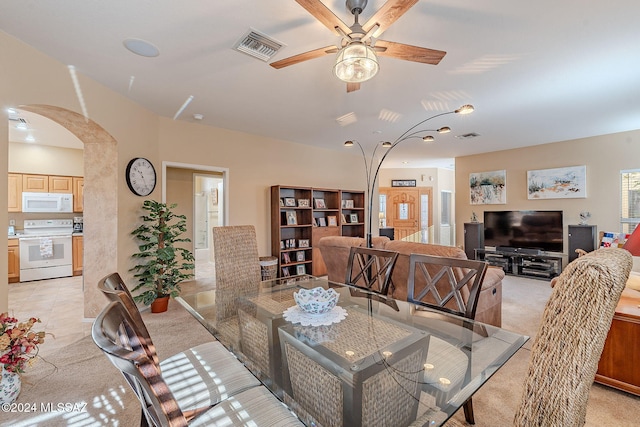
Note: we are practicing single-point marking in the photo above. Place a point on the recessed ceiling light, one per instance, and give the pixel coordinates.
(141, 47)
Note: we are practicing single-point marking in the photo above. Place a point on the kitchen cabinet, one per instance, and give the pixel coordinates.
(78, 193)
(15, 192)
(60, 184)
(47, 183)
(35, 183)
(14, 261)
(77, 249)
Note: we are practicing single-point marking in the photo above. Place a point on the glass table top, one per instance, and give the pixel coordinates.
(382, 361)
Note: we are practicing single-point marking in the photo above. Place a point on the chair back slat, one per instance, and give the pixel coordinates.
(447, 284)
(371, 269)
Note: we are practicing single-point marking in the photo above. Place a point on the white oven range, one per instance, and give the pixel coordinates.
(46, 249)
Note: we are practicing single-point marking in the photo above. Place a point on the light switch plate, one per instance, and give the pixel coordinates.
(12, 222)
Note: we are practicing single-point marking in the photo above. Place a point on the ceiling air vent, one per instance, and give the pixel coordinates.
(258, 45)
(467, 135)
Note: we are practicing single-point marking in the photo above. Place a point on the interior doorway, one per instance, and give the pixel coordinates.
(409, 211)
(201, 193)
(208, 208)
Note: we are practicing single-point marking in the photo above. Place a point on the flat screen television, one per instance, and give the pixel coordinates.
(530, 230)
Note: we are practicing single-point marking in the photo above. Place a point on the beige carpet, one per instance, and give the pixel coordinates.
(83, 376)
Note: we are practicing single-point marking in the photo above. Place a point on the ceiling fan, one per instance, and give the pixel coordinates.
(356, 59)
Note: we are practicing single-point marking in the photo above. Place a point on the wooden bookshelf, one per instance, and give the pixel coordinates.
(304, 215)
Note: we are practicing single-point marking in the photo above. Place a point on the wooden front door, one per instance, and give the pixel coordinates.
(403, 211)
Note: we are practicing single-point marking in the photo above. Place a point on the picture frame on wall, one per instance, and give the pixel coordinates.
(301, 269)
(303, 203)
(353, 218)
(332, 221)
(300, 256)
(348, 204)
(289, 202)
(488, 188)
(322, 222)
(319, 204)
(557, 183)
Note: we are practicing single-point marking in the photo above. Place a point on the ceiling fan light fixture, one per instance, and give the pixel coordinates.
(356, 63)
(444, 129)
(465, 109)
(386, 144)
(348, 143)
(428, 138)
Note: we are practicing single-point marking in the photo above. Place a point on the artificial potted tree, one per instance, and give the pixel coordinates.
(162, 265)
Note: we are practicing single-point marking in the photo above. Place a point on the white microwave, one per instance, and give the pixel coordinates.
(47, 202)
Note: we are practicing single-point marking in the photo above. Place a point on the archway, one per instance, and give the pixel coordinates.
(100, 199)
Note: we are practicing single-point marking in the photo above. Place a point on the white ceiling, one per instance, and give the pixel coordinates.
(536, 72)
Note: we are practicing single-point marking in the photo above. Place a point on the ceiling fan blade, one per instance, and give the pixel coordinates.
(351, 87)
(410, 53)
(387, 15)
(312, 54)
(324, 15)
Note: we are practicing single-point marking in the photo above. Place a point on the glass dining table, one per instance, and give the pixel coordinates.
(370, 361)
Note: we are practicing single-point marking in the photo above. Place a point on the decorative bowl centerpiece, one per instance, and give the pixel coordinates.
(317, 300)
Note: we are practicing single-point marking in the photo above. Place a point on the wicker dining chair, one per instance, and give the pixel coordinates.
(570, 339)
(446, 284)
(238, 274)
(571, 336)
(371, 269)
(114, 333)
(199, 376)
(384, 393)
(237, 265)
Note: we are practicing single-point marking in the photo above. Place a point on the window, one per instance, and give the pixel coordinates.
(629, 200)
(383, 210)
(445, 208)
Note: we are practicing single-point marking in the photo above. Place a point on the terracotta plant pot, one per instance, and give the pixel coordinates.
(160, 305)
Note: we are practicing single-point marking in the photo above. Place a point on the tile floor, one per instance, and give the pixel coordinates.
(59, 305)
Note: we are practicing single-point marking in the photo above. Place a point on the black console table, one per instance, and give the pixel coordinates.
(539, 266)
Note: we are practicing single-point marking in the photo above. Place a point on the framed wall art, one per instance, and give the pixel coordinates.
(559, 183)
(488, 188)
(403, 182)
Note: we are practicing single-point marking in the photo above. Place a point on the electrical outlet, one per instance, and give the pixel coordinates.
(12, 222)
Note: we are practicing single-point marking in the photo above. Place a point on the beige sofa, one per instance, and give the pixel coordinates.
(335, 253)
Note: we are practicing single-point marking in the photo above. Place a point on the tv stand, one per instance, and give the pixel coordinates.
(523, 263)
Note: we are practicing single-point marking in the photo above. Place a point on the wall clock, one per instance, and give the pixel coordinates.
(141, 176)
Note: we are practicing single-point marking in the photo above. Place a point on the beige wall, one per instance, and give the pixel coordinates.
(255, 163)
(604, 157)
(45, 159)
